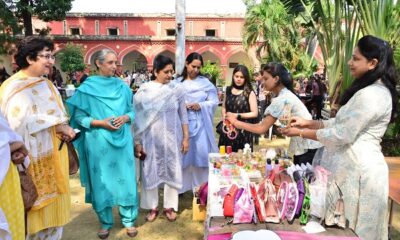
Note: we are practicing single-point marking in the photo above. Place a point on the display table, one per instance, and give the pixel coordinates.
(216, 224)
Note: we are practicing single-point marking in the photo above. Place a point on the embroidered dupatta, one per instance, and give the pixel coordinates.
(33, 108)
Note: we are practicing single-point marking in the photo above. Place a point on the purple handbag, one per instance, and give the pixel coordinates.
(300, 187)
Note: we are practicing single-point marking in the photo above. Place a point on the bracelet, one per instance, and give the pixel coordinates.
(301, 133)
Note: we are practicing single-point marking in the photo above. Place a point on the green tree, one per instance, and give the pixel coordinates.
(214, 72)
(46, 10)
(281, 35)
(71, 59)
(8, 26)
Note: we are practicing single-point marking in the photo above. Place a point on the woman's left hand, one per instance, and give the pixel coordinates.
(290, 131)
(232, 119)
(67, 133)
(185, 145)
(193, 106)
(121, 120)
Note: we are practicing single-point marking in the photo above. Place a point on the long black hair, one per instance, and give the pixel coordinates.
(189, 59)
(247, 88)
(277, 69)
(375, 48)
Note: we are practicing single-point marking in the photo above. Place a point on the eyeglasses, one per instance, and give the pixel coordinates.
(48, 56)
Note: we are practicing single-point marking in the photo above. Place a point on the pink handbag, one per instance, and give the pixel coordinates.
(244, 208)
(267, 194)
(288, 198)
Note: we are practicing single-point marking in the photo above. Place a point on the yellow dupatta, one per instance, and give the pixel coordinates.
(33, 111)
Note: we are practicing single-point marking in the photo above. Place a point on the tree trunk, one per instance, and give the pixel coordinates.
(26, 17)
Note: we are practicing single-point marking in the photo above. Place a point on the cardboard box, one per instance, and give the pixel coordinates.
(199, 212)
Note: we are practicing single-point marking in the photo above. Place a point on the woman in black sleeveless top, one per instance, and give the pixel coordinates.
(240, 102)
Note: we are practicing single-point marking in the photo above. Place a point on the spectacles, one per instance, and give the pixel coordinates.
(48, 56)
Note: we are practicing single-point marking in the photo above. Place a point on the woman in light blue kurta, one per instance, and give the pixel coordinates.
(201, 101)
(352, 142)
(102, 109)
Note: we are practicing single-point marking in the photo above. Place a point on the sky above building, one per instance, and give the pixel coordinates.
(158, 6)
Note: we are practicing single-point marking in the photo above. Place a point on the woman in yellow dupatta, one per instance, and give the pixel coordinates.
(34, 109)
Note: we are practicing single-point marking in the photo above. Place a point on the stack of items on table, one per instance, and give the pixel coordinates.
(263, 187)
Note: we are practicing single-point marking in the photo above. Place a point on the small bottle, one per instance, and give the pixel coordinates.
(276, 165)
(228, 149)
(221, 149)
(268, 167)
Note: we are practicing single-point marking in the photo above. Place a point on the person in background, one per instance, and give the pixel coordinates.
(352, 139)
(12, 152)
(201, 101)
(102, 109)
(241, 102)
(277, 79)
(3, 75)
(261, 99)
(162, 134)
(34, 109)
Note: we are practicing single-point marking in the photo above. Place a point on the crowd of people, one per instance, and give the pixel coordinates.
(167, 127)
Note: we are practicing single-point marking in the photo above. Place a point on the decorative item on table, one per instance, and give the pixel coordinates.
(229, 130)
(267, 196)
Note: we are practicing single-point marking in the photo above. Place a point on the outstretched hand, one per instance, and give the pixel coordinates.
(298, 122)
(290, 131)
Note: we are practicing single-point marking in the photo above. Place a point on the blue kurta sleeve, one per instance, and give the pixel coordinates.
(83, 118)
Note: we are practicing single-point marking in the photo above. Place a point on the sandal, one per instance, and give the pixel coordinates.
(131, 232)
(170, 214)
(103, 233)
(152, 215)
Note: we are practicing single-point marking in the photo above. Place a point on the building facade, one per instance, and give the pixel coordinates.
(138, 38)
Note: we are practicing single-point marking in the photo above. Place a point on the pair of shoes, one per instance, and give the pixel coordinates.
(170, 214)
(131, 232)
(103, 233)
(152, 215)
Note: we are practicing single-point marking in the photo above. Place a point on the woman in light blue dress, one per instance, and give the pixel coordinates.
(352, 142)
(102, 109)
(201, 101)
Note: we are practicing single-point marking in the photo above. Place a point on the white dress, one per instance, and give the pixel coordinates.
(353, 155)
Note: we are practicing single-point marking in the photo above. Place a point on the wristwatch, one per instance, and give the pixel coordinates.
(238, 115)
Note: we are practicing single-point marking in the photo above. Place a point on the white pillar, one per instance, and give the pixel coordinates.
(180, 10)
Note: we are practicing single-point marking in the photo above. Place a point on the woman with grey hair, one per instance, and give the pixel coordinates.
(102, 109)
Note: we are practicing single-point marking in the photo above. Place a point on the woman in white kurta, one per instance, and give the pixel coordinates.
(201, 101)
(161, 131)
(352, 141)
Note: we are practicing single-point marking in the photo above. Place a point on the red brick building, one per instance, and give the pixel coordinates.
(138, 38)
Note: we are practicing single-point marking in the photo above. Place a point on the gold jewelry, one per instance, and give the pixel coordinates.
(301, 133)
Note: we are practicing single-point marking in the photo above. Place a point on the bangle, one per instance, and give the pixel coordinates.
(301, 133)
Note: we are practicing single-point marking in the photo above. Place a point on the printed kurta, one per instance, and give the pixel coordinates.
(353, 155)
(33, 107)
(297, 145)
(161, 113)
(107, 168)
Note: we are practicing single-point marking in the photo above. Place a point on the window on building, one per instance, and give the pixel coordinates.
(210, 32)
(171, 32)
(233, 65)
(113, 31)
(97, 27)
(75, 31)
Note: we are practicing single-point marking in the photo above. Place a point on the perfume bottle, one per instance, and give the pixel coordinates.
(268, 167)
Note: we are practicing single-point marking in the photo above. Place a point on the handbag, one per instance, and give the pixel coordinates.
(244, 208)
(219, 127)
(229, 201)
(28, 189)
(73, 159)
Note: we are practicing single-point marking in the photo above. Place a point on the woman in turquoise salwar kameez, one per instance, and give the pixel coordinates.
(102, 109)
